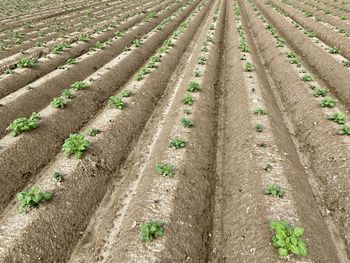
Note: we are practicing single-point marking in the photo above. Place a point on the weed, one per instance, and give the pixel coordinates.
(274, 190)
(126, 93)
(187, 123)
(260, 111)
(334, 50)
(188, 100)
(320, 92)
(307, 77)
(328, 102)
(27, 62)
(248, 67)
(79, 85)
(116, 102)
(287, 239)
(165, 169)
(67, 93)
(338, 118)
(21, 125)
(187, 111)
(75, 144)
(177, 143)
(259, 127)
(94, 131)
(344, 130)
(58, 176)
(151, 230)
(193, 86)
(32, 198)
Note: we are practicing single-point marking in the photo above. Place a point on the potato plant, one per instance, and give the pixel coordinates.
(151, 230)
(75, 145)
(32, 198)
(23, 124)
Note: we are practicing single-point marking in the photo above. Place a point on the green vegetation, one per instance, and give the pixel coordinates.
(27, 62)
(116, 102)
(338, 118)
(58, 102)
(23, 124)
(165, 169)
(78, 85)
(274, 190)
(344, 130)
(334, 50)
(201, 60)
(58, 176)
(320, 92)
(75, 144)
(197, 73)
(32, 198)
(57, 49)
(259, 127)
(93, 132)
(187, 111)
(260, 111)
(151, 230)
(293, 58)
(307, 77)
(143, 71)
(346, 63)
(187, 123)
(193, 86)
(248, 67)
(328, 102)
(188, 100)
(288, 239)
(126, 93)
(177, 143)
(67, 93)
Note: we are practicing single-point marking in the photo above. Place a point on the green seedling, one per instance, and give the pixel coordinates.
(197, 73)
(67, 93)
(79, 85)
(334, 50)
(193, 86)
(165, 169)
(126, 93)
(205, 49)
(260, 111)
(70, 61)
(93, 132)
(21, 125)
(84, 38)
(187, 111)
(58, 176)
(288, 239)
(259, 127)
(344, 130)
(137, 42)
(27, 62)
(143, 71)
(243, 46)
(343, 17)
(58, 103)
(188, 100)
(57, 49)
(248, 67)
(338, 118)
(8, 71)
(274, 190)
(268, 167)
(346, 63)
(151, 230)
(307, 77)
(308, 14)
(201, 60)
(75, 144)
(32, 198)
(177, 143)
(116, 102)
(293, 58)
(328, 102)
(320, 92)
(187, 123)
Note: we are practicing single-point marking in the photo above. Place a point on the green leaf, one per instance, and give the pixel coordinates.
(298, 231)
(282, 252)
(302, 248)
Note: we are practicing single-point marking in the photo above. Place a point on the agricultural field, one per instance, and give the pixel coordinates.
(175, 131)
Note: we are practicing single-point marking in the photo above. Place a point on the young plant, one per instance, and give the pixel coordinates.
(27, 62)
(75, 144)
(137, 42)
(126, 93)
(188, 100)
(32, 198)
(165, 169)
(201, 60)
(193, 86)
(187, 111)
(346, 63)
(260, 111)
(58, 176)
(67, 93)
(187, 123)
(21, 125)
(328, 102)
(293, 58)
(288, 239)
(177, 143)
(197, 73)
(151, 230)
(307, 77)
(334, 50)
(259, 127)
(320, 92)
(93, 132)
(338, 118)
(116, 102)
(274, 190)
(344, 130)
(248, 67)
(78, 85)
(58, 102)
